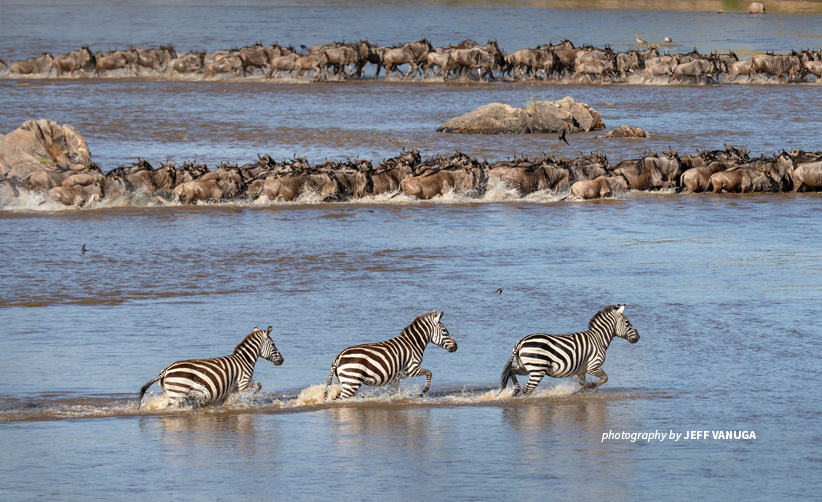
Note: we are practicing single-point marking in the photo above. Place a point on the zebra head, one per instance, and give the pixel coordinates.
(267, 349)
(440, 335)
(623, 327)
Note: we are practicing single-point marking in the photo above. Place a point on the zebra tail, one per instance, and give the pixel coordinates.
(506, 373)
(144, 389)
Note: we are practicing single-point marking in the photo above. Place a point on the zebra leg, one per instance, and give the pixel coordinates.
(427, 373)
(597, 372)
(395, 386)
(533, 380)
(328, 382)
(514, 380)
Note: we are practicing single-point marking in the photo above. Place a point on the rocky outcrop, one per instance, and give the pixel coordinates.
(626, 131)
(756, 8)
(539, 117)
(42, 145)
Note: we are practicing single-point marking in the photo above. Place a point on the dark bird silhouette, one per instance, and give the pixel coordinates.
(562, 137)
(498, 291)
(83, 249)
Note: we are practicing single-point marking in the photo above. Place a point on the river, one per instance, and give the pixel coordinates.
(723, 289)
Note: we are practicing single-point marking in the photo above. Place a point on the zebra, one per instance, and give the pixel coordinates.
(390, 361)
(561, 356)
(206, 381)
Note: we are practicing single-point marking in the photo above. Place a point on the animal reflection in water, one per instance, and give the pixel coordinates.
(390, 361)
(561, 356)
(204, 381)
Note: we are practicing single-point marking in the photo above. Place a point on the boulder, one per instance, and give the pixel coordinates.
(626, 131)
(40, 145)
(539, 117)
(756, 8)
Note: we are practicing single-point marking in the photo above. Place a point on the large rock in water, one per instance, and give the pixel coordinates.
(39, 145)
(540, 117)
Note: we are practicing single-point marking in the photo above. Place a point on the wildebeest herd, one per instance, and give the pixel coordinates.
(267, 180)
(563, 62)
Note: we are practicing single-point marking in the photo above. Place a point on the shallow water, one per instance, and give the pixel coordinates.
(724, 290)
(720, 289)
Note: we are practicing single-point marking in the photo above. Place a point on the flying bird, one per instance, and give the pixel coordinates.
(83, 249)
(498, 291)
(562, 137)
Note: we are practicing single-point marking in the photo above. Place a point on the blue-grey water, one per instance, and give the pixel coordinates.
(725, 290)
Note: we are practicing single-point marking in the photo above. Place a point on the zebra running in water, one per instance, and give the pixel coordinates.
(561, 356)
(390, 361)
(213, 380)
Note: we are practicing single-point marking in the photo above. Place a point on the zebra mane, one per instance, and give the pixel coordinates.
(255, 331)
(603, 312)
(417, 320)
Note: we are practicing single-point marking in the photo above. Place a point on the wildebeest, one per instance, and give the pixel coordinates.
(188, 63)
(483, 59)
(282, 63)
(599, 68)
(311, 62)
(116, 60)
(743, 67)
(412, 53)
(527, 179)
(82, 60)
(696, 69)
(438, 59)
(341, 57)
(779, 66)
(441, 181)
(697, 179)
(231, 63)
(657, 67)
(807, 176)
(651, 172)
(533, 61)
(155, 59)
(254, 56)
(40, 64)
(740, 179)
(598, 187)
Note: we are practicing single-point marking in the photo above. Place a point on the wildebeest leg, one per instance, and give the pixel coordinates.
(533, 380)
(597, 372)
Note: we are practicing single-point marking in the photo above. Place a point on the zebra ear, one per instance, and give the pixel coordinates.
(437, 317)
(621, 308)
(268, 331)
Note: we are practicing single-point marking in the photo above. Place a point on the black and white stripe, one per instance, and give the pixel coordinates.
(390, 361)
(213, 380)
(561, 356)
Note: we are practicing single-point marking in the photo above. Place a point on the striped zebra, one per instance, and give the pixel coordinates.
(212, 380)
(388, 362)
(562, 356)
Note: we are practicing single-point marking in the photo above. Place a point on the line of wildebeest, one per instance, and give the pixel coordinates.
(340, 60)
(585, 177)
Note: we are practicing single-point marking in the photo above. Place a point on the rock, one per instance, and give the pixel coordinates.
(625, 131)
(40, 145)
(756, 8)
(539, 117)
(494, 118)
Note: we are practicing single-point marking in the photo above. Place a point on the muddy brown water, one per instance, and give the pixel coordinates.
(724, 290)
